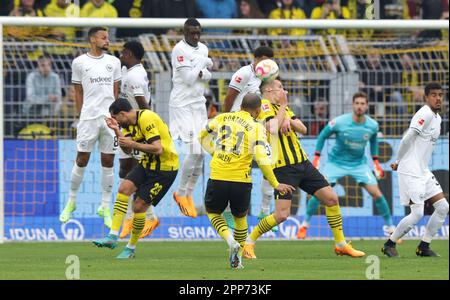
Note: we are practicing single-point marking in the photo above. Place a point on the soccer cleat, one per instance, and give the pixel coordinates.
(262, 216)
(389, 251)
(389, 230)
(184, 205)
(301, 233)
(66, 214)
(348, 250)
(110, 241)
(249, 251)
(426, 252)
(235, 256)
(126, 228)
(229, 219)
(126, 253)
(105, 213)
(149, 226)
(191, 204)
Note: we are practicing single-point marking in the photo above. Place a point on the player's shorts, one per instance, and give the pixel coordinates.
(417, 189)
(151, 185)
(219, 193)
(186, 122)
(136, 154)
(89, 131)
(361, 173)
(304, 175)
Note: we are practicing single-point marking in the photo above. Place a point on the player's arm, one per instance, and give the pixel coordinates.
(207, 136)
(116, 89)
(232, 93)
(153, 146)
(374, 152)
(189, 73)
(405, 144)
(323, 136)
(117, 77)
(78, 97)
(298, 125)
(76, 80)
(275, 124)
(112, 123)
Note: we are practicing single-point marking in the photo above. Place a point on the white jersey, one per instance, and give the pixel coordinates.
(134, 84)
(97, 76)
(244, 81)
(186, 56)
(428, 125)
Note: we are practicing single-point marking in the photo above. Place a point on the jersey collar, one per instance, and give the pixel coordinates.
(136, 65)
(190, 45)
(95, 57)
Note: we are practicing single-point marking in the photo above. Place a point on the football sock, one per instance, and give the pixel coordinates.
(390, 243)
(107, 185)
(120, 209)
(267, 193)
(196, 172)
(138, 225)
(311, 209)
(436, 220)
(150, 213)
(384, 210)
(424, 245)
(75, 180)
(187, 169)
(408, 222)
(334, 219)
(263, 226)
(219, 223)
(241, 230)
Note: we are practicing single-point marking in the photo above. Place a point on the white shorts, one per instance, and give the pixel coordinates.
(417, 189)
(89, 131)
(186, 122)
(136, 154)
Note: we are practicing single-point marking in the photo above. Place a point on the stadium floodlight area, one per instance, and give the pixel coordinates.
(37, 152)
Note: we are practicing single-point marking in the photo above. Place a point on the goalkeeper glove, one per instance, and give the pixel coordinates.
(378, 170)
(316, 159)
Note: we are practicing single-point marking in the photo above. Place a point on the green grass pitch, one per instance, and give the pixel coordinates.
(209, 260)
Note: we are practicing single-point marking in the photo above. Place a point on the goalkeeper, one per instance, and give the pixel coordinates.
(347, 158)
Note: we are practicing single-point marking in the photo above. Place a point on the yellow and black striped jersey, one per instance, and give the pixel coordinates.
(287, 150)
(149, 127)
(237, 139)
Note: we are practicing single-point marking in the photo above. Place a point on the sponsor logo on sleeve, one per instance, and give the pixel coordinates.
(421, 121)
(180, 58)
(238, 79)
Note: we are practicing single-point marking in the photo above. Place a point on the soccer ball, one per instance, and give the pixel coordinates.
(266, 70)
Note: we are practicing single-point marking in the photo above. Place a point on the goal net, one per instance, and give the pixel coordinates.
(321, 73)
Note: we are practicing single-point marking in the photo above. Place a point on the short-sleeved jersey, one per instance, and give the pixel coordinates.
(151, 127)
(428, 125)
(186, 56)
(286, 148)
(244, 81)
(134, 84)
(351, 139)
(237, 134)
(97, 76)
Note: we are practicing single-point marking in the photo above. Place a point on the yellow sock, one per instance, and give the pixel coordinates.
(120, 210)
(219, 223)
(263, 226)
(335, 221)
(240, 230)
(138, 225)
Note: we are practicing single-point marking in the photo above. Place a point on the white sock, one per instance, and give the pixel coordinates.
(408, 222)
(150, 214)
(75, 180)
(114, 232)
(187, 169)
(267, 193)
(197, 171)
(107, 185)
(436, 220)
(201, 210)
(131, 246)
(230, 240)
(305, 224)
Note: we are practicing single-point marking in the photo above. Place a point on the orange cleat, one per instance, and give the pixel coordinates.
(348, 250)
(193, 210)
(249, 251)
(184, 205)
(301, 233)
(149, 227)
(126, 228)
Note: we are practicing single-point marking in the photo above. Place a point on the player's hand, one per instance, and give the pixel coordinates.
(285, 126)
(285, 188)
(126, 142)
(316, 160)
(112, 123)
(394, 166)
(378, 170)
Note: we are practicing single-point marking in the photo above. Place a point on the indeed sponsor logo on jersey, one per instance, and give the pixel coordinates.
(101, 79)
(355, 145)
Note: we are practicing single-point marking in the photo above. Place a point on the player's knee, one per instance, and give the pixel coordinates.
(331, 201)
(417, 213)
(441, 207)
(139, 206)
(81, 162)
(124, 189)
(281, 216)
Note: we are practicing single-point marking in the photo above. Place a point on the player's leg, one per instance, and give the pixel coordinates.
(437, 219)
(267, 195)
(382, 207)
(125, 166)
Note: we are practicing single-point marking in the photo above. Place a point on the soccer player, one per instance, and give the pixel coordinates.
(96, 77)
(347, 158)
(187, 109)
(415, 181)
(150, 179)
(237, 138)
(291, 165)
(136, 89)
(242, 82)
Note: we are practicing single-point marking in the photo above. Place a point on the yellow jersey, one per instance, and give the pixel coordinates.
(149, 127)
(236, 139)
(286, 148)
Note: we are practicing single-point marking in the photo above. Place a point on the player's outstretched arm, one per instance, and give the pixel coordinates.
(374, 152)
(229, 99)
(323, 136)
